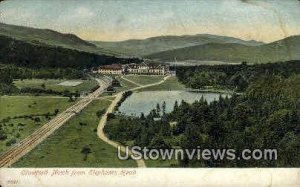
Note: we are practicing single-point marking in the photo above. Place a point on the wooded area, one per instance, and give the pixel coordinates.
(266, 115)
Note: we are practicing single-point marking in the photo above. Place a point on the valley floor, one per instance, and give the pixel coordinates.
(64, 147)
(21, 115)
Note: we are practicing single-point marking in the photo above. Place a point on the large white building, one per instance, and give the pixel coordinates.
(140, 69)
(147, 69)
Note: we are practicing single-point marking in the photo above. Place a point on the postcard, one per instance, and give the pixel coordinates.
(149, 93)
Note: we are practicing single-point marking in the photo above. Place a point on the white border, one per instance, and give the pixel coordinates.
(256, 177)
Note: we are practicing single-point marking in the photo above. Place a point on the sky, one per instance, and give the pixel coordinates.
(116, 20)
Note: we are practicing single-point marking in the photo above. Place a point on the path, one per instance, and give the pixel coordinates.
(122, 77)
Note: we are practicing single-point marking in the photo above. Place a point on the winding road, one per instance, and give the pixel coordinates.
(110, 109)
(18, 150)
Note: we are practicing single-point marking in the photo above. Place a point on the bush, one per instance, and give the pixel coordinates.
(99, 113)
(3, 136)
(110, 116)
(11, 142)
(37, 119)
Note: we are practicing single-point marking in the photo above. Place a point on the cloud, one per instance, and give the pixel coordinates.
(10, 15)
(118, 20)
(83, 12)
(77, 15)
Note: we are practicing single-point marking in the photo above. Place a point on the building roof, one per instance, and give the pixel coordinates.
(144, 64)
(112, 67)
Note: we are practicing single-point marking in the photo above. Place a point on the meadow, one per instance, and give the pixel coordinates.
(76, 144)
(144, 79)
(21, 115)
(124, 85)
(171, 83)
(52, 84)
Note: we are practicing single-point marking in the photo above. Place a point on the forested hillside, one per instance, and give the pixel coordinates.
(22, 53)
(50, 38)
(235, 77)
(265, 116)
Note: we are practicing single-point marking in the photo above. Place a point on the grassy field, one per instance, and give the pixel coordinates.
(170, 84)
(53, 84)
(64, 147)
(144, 79)
(125, 85)
(108, 98)
(21, 115)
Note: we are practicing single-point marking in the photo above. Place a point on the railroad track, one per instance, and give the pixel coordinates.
(21, 148)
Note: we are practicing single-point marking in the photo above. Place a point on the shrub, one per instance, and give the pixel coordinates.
(11, 142)
(110, 116)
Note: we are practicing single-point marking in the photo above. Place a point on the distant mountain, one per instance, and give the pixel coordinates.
(282, 50)
(46, 48)
(164, 43)
(52, 46)
(49, 38)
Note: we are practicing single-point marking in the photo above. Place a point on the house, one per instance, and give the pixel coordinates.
(139, 69)
(157, 69)
(146, 69)
(114, 69)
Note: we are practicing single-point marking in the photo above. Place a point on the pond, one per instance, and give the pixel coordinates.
(146, 101)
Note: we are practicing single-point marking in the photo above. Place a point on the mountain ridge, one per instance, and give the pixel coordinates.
(199, 47)
(281, 50)
(50, 37)
(37, 48)
(142, 47)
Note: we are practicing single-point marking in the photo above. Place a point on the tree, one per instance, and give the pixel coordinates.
(82, 124)
(144, 138)
(37, 119)
(110, 116)
(175, 109)
(3, 136)
(56, 111)
(86, 150)
(157, 108)
(71, 99)
(11, 142)
(158, 142)
(99, 113)
(43, 86)
(142, 117)
(164, 108)
(77, 94)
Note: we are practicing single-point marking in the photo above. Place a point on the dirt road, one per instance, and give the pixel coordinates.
(110, 109)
